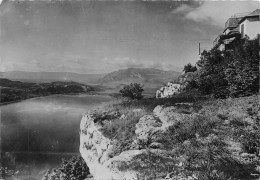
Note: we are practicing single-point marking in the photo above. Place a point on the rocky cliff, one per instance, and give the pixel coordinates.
(145, 152)
(96, 150)
(174, 141)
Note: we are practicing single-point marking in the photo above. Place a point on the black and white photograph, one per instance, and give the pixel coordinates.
(129, 90)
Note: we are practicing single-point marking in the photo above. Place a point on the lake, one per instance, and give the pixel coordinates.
(37, 133)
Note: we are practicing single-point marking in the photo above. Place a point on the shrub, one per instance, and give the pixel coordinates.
(189, 68)
(73, 169)
(5, 172)
(251, 142)
(208, 158)
(211, 77)
(242, 72)
(132, 91)
(233, 72)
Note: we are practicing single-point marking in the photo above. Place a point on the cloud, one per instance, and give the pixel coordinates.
(182, 9)
(216, 12)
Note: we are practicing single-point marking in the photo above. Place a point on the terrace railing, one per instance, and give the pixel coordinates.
(216, 42)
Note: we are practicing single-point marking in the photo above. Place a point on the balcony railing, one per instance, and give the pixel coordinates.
(224, 37)
(216, 42)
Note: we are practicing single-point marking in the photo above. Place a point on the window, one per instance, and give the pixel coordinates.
(242, 30)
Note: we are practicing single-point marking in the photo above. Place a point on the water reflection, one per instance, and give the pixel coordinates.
(37, 133)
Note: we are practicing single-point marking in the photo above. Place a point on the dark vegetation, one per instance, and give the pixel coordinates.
(72, 169)
(5, 172)
(233, 72)
(132, 91)
(16, 90)
(189, 68)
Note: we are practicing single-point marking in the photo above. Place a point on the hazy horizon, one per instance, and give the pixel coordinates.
(93, 37)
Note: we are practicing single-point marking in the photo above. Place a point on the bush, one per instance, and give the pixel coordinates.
(233, 72)
(242, 73)
(73, 169)
(132, 91)
(5, 172)
(189, 68)
(211, 76)
(251, 142)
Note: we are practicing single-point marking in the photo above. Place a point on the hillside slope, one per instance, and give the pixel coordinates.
(151, 78)
(163, 139)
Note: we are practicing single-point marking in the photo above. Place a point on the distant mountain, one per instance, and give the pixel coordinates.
(149, 77)
(51, 76)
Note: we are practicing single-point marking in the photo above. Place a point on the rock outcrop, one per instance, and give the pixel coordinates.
(169, 90)
(96, 149)
(133, 164)
(168, 116)
(166, 143)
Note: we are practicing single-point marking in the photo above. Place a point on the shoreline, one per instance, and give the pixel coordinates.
(68, 94)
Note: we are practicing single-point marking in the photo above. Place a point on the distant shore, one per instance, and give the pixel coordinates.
(87, 93)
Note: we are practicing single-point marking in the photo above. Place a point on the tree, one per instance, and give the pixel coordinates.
(242, 73)
(189, 68)
(211, 78)
(233, 72)
(132, 91)
(72, 169)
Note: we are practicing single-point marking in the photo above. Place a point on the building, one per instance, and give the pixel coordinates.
(239, 26)
(250, 25)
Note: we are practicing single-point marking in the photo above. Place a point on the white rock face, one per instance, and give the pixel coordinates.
(93, 146)
(169, 90)
(96, 148)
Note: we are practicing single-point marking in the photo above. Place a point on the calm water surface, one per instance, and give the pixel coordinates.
(37, 133)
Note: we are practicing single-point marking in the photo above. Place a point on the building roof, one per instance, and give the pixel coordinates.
(255, 13)
(232, 22)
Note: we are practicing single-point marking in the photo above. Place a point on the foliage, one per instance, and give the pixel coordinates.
(6, 172)
(233, 72)
(189, 68)
(251, 141)
(132, 91)
(191, 85)
(242, 73)
(211, 74)
(73, 169)
(209, 158)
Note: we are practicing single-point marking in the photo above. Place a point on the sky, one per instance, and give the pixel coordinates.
(103, 36)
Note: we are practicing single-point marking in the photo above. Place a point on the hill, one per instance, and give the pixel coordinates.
(16, 90)
(151, 78)
(50, 76)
